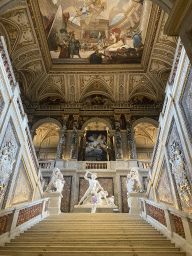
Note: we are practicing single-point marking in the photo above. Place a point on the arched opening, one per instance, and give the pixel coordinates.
(145, 137)
(46, 141)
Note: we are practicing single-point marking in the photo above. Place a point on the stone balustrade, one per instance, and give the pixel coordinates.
(173, 223)
(15, 220)
(83, 165)
(47, 164)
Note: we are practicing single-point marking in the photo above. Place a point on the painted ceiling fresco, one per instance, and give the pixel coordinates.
(93, 31)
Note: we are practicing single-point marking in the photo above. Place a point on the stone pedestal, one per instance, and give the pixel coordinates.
(55, 202)
(134, 203)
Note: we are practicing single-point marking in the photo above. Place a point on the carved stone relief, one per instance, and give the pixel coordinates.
(121, 87)
(179, 168)
(22, 191)
(86, 79)
(8, 154)
(72, 87)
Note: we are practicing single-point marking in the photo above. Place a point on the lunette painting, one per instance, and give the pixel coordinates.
(96, 146)
(93, 31)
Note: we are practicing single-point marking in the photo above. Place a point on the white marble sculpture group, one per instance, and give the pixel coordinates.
(95, 190)
(95, 195)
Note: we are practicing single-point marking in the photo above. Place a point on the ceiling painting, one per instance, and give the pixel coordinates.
(93, 31)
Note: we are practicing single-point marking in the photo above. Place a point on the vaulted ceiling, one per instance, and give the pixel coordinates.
(42, 78)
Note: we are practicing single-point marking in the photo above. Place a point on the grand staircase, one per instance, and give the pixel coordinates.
(99, 234)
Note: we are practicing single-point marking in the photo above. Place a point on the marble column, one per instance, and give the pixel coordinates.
(80, 154)
(112, 149)
(62, 138)
(118, 141)
(132, 153)
(74, 138)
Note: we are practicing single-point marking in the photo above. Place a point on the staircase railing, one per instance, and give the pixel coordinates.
(173, 223)
(14, 221)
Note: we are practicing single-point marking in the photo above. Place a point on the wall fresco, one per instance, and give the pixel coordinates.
(101, 30)
(163, 188)
(22, 191)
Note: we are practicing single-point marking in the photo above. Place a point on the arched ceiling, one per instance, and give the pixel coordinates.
(41, 78)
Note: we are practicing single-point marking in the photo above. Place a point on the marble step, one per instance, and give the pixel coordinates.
(92, 253)
(96, 239)
(93, 235)
(135, 243)
(77, 230)
(88, 248)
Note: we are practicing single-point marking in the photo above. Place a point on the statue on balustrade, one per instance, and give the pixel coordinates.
(96, 192)
(133, 182)
(57, 182)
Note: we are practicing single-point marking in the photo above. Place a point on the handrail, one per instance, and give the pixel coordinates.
(174, 223)
(17, 219)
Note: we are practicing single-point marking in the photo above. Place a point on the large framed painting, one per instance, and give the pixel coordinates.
(93, 31)
(96, 146)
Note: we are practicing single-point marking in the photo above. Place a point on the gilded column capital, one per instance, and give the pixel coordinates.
(76, 117)
(117, 117)
(128, 117)
(65, 117)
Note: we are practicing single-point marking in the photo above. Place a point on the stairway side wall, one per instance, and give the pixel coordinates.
(170, 169)
(19, 168)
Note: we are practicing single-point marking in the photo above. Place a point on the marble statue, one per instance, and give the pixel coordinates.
(95, 194)
(57, 182)
(93, 188)
(133, 183)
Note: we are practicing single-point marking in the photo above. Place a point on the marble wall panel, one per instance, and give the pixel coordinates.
(23, 190)
(1, 103)
(106, 183)
(179, 168)
(123, 180)
(66, 193)
(186, 103)
(10, 145)
(163, 188)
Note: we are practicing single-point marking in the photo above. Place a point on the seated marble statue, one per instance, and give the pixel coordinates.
(93, 188)
(133, 183)
(57, 182)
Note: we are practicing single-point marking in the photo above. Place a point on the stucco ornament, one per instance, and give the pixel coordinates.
(133, 182)
(7, 159)
(57, 182)
(178, 170)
